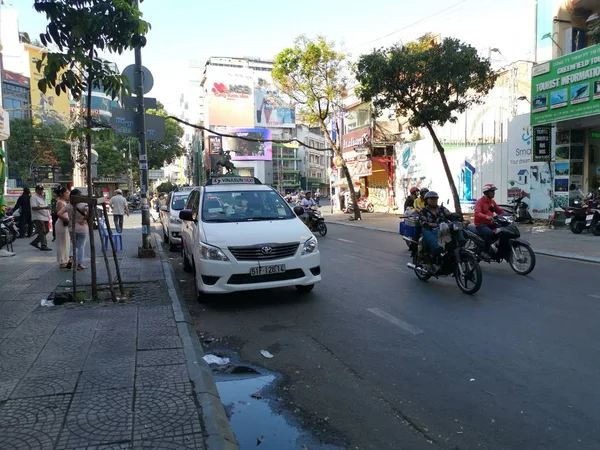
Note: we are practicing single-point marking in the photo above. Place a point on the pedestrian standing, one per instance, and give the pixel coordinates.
(40, 213)
(79, 213)
(54, 215)
(63, 238)
(118, 204)
(24, 204)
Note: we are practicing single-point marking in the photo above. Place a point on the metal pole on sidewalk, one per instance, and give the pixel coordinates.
(146, 248)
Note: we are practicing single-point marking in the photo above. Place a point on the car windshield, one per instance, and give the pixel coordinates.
(244, 206)
(178, 201)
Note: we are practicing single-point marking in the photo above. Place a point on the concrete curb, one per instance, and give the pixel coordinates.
(538, 251)
(217, 431)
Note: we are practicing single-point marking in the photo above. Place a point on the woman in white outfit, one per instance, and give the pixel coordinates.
(78, 213)
(63, 238)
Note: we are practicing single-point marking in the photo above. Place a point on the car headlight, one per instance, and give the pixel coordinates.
(310, 246)
(212, 253)
(174, 220)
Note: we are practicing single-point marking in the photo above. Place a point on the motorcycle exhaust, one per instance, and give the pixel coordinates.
(421, 270)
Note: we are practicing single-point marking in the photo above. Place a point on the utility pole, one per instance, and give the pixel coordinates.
(146, 250)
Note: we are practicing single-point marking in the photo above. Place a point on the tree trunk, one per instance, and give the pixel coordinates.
(338, 153)
(92, 207)
(453, 189)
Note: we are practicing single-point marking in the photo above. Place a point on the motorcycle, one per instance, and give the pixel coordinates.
(315, 221)
(8, 232)
(592, 221)
(577, 216)
(519, 210)
(363, 204)
(455, 261)
(507, 245)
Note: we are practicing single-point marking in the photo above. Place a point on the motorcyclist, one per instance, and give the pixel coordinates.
(419, 203)
(430, 218)
(307, 203)
(410, 201)
(485, 208)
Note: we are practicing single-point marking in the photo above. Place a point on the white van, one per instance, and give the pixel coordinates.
(240, 235)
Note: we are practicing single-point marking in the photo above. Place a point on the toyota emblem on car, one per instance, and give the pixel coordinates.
(266, 250)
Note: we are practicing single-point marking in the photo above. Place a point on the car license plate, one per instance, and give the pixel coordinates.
(568, 221)
(267, 270)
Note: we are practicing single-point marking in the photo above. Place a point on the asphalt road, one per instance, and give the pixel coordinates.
(375, 358)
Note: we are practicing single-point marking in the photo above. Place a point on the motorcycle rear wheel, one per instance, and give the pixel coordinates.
(577, 226)
(595, 229)
(419, 275)
(472, 270)
(525, 250)
(322, 228)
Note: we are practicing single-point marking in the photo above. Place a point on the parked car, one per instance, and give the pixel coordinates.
(169, 217)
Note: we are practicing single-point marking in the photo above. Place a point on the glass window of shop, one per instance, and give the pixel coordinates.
(357, 118)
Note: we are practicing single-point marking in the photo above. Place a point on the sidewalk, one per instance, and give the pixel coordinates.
(102, 374)
(560, 242)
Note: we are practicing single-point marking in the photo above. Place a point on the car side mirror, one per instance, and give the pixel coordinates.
(186, 214)
(164, 208)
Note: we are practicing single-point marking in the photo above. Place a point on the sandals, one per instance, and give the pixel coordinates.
(81, 267)
(63, 266)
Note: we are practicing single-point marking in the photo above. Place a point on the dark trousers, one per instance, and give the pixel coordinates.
(25, 226)
(54, 219)
(41, 228)
(488, 235)
(118, 218)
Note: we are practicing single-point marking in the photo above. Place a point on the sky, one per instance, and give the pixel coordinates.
(186, 30)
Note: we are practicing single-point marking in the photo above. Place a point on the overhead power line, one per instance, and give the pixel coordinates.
(414, 23)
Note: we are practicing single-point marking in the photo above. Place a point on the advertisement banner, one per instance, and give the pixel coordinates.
(567, 87)
(273, 109)
(48, 108)
(253, 149)
(230, 96)
(355, 139)
(215, 144)
(542, 143)
(15, 78)
(359, 163)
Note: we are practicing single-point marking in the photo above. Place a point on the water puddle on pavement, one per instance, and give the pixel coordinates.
(253, 419)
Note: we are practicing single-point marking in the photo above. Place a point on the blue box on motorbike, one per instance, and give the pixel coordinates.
(408, 227)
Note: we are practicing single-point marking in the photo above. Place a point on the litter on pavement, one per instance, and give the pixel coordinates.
(266, 354)
(213, 359)
(45, 302)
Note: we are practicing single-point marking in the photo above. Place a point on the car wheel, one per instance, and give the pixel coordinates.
(305, 289)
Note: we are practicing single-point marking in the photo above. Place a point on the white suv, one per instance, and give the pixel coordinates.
(240, 235)
(169, 216)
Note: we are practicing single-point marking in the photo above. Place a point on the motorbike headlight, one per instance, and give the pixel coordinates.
(174, 219)
(211, 253)
(509, 219)
(310, 246)
(458, 226)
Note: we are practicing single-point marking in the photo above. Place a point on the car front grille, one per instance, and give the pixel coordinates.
(262, 253)
(246, 278)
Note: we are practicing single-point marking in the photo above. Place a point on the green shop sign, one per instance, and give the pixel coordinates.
(566, 88)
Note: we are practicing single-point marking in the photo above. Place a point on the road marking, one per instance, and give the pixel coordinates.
(594, 296)
(345, 240)
(395, 321)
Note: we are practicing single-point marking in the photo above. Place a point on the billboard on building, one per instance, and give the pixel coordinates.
(273, 108)
(15, 78)
(46, 107)
(566, 88)
(251, 146)
(230, 97)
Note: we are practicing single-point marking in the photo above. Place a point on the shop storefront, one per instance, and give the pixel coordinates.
(565, 105)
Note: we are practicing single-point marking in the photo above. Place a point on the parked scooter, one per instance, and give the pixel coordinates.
(578, 216)
(363, 204)
(519, 210)
(9, 232)
(507, 245)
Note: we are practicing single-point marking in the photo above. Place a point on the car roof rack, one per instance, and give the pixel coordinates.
(231, 179)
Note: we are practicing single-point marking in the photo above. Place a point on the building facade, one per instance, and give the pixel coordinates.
(247, 111)
(565, 98)
(315, 159)
(15, 95)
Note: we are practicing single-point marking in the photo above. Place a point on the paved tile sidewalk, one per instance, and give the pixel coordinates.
(98, 375)
(559, 242)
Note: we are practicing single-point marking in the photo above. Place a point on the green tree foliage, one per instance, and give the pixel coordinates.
(312, 73)
(32, 145)
(427, 82)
